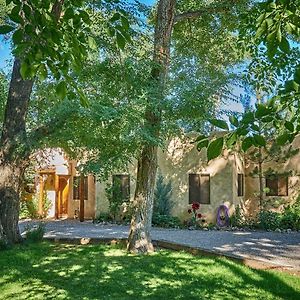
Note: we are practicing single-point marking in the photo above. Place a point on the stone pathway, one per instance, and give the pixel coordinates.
(279, 249)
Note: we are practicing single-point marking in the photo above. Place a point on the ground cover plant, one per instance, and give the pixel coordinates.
(56, 271)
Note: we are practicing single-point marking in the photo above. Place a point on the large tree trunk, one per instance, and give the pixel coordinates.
(139, 240)
(13, 154)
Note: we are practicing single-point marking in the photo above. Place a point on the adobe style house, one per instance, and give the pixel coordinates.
(226, 180)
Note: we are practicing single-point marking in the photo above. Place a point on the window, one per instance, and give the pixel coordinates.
(121, 187)
(277, 185)
(240, 185)
(199, 188)
(76, 188)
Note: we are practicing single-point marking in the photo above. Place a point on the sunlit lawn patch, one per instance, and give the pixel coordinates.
(53, 271)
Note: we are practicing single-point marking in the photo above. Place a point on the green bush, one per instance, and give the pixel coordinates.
(291, 216)
(119, 207)
(236, 220)
(166, 221)
(103, 217)
(162, 197)
(269, 220)
(29, 208)
(35, 234)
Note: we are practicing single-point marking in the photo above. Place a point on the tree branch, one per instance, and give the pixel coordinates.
(226, 7)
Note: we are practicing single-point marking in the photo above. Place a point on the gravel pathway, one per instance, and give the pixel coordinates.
(281, 249)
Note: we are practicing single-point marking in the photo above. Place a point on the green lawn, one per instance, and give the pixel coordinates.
(53, 271)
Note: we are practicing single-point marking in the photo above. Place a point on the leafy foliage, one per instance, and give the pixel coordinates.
(269, 220)
(35, 234)
(55, 36)
(162, 196)
(166, 221)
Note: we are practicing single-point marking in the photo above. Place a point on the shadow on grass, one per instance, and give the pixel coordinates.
(53, 271)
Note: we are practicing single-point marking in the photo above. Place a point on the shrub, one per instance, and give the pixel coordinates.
(35, 234)
(103, 217)
(118, 206)
(269, 220)
(165, 221)
(236, 220)
(162, 197)
(30, 208)
(291, 216)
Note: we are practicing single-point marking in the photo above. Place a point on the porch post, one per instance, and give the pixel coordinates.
(81, 198)
(41, 196)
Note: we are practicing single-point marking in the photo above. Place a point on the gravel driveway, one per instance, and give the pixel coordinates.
(281, 249)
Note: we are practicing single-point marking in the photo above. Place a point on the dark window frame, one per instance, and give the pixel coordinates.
(198, 191)
(76, 188)
(124, 188)
(241, 185)
(273, 182)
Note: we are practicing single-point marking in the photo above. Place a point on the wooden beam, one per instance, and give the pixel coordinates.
(81, 198)
(41, 197)
(56, 184)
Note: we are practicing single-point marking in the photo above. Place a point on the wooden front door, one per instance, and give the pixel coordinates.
(62, 196)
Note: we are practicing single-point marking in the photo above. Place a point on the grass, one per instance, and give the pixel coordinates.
(55, 271)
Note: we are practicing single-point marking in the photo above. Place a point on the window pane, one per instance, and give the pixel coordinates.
(204, 189)
(121, 187)
(76, 188)
(240, 183)
(76, 180)
(194, 188)
(283, 186)
(272, 185)
(86, 188)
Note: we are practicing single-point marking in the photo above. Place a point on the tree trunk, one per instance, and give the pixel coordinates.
(13, 154)
(139, 240)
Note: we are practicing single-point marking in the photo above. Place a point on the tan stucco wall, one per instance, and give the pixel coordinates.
(180, 159)
(175, 163)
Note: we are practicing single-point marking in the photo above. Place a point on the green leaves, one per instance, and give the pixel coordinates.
(215, 148)
(289, 126)
(121, 41)
(234, 121)
(259, 140)
(24, 70)
(92, 43)
(119, 29)
(61, 90)
(219, 123)
(4, 29)
(282, 139)
(247, 143)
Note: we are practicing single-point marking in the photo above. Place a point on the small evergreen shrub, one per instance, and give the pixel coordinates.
(35, 234)
(269, 220)
(162, 197)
